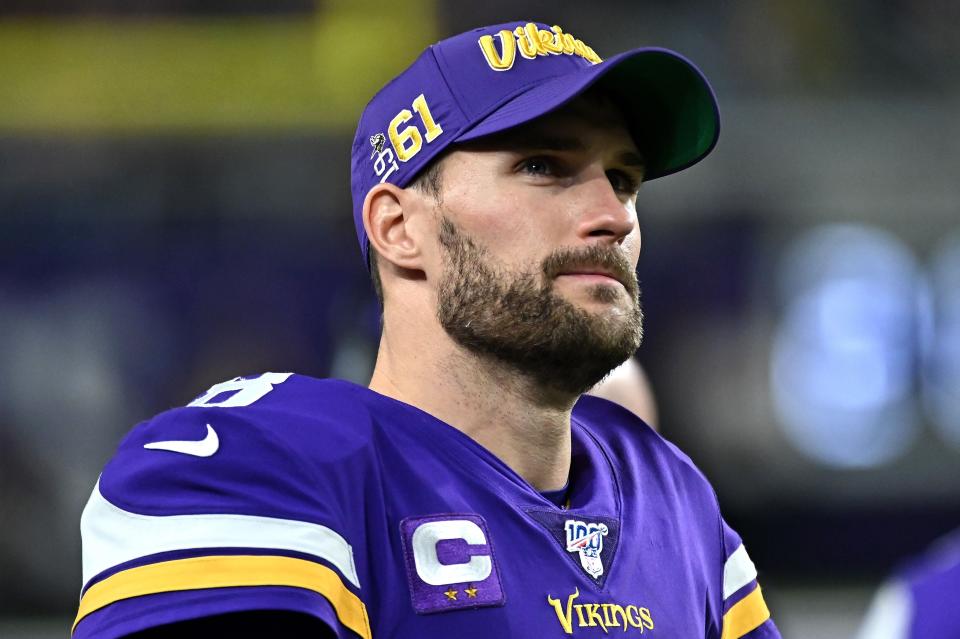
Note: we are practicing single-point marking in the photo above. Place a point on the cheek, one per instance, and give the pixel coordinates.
(510, 228)
(514, 223)
(633, 244)
(631, 248)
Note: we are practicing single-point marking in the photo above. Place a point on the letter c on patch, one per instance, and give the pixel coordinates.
(424, 542)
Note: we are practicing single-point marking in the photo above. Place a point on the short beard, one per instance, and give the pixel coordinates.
(517, 319)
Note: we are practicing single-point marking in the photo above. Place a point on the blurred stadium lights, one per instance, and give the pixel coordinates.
(941, 370)
(843, 358)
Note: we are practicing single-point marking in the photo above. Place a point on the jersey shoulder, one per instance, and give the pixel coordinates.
(916, 601)
(254, 484)
(940, 562)
(247, 443)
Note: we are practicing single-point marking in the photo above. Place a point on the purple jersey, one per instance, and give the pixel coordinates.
(920, 602)
(284, 492)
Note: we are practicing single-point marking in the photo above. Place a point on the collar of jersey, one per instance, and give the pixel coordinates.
(592, 484)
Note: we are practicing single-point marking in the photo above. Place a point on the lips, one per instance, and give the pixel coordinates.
(595, 273)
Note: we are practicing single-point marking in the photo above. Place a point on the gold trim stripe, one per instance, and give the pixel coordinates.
(745, 615)
(224, 571)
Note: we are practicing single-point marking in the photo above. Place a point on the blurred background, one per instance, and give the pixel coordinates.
(175, 211)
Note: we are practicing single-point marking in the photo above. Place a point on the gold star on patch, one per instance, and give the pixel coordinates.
(451, 594)
(471, 592)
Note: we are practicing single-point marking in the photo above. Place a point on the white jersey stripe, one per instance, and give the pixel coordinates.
(738, 571)
(112, 536)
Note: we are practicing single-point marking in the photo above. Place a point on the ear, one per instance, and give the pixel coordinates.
(386, 219)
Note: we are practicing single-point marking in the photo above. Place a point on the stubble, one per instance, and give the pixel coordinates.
(518, 319)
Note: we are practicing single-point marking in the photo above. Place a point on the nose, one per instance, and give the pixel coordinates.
(606, 216)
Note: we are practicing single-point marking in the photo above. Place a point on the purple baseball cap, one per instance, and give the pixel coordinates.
(494, 78)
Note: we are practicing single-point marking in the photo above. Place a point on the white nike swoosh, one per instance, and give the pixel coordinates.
(201, 448)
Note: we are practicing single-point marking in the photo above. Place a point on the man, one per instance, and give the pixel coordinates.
(919, 600)
(628, 386)
(462, 494)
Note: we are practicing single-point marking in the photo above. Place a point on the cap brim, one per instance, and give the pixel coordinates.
(669, 106)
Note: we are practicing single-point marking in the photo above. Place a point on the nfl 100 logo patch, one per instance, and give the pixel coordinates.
(590, 542)
(450, 563)
(586, 539)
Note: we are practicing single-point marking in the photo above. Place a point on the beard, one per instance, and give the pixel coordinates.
(517, 319)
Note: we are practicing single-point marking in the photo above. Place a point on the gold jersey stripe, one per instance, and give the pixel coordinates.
(224, 571)
(745, 615)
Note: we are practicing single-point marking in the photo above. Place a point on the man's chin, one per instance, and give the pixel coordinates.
(605, 299)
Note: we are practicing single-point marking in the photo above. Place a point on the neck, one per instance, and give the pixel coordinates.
(527, 427)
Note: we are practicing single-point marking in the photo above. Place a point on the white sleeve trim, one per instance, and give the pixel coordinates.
(112, 536)
(738, 571)
(889, 615)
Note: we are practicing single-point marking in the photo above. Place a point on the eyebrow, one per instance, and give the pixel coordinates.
(632, 159)
(545, 141)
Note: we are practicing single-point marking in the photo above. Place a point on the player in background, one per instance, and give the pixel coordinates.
(920, 600)
(629, 386)
(471, 490)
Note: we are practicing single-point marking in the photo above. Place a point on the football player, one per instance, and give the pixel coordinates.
(469, 491)
(629, 386)
(919, 600)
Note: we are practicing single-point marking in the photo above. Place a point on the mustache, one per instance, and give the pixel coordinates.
(607, 259)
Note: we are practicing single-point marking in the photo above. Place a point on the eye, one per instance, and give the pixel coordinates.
(623, 182)
(538, 165)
